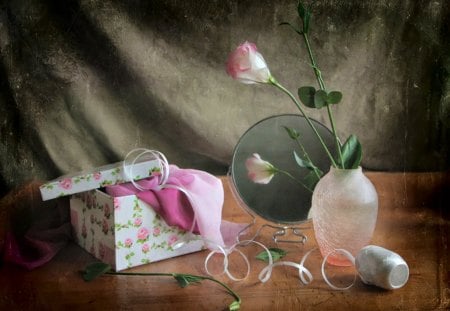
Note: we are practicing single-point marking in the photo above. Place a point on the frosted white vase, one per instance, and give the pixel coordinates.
(344, 213)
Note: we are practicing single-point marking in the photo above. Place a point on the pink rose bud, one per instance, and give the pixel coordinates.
(128, 242)
(105, 226)
(172, 240)
(106, 210)
(138, 221)
(247, 65)
(142, 233)
(145, 248)
(259, 171)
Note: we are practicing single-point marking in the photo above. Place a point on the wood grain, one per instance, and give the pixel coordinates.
(413, 221)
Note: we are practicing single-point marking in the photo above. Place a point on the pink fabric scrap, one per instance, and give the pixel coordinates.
(204, 203)
(45, 235)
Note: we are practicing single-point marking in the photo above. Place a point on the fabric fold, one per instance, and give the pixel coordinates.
(35, 231)
(190, 199)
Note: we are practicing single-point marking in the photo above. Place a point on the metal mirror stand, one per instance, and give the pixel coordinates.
(280, 234)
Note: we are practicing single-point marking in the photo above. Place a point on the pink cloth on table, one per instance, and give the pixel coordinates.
(205, 201)
(47, 232)
(34, 251)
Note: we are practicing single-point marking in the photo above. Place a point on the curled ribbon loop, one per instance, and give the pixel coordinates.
(137, 156)
(305, 275)
(264, 275)
(225, 260)
(302, 270)
(349, 257)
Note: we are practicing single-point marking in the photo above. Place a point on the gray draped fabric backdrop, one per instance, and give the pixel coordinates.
(83, 82)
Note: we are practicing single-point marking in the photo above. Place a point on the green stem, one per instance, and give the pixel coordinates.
(139, 273)
(201, 277)
(293, 178)
(336, 139)
(230, 291)
(319, 78)
(307, 156)
(274, 82)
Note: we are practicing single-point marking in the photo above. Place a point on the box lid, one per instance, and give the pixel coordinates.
(107, 175)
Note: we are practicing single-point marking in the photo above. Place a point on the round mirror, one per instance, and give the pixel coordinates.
(283, 200)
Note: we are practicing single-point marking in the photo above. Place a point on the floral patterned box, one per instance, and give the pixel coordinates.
(124, 231)
(110, 174)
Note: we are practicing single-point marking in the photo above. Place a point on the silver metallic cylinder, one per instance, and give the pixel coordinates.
(381, 267)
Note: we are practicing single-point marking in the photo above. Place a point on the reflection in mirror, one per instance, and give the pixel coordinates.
(282, 201)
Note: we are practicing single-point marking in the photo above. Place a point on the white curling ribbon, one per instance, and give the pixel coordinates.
(263, 276)
(302, 270)
(225, 260)
(225, 269)
(266, 272)
(305, 275)
(141, 152)
(349, 257)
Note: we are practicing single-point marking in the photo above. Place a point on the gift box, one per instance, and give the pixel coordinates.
(121, 231)
(111, 174)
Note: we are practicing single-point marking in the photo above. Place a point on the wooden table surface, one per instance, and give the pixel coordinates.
(413, 221)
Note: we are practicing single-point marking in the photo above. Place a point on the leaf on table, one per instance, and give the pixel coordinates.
(94, 270)
(277, 253)
(186, 279)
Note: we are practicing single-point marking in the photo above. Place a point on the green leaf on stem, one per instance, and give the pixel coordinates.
(303, 162)
(293, 27)
(334, 97)
(301, 10)
(306, 95)
(305, 14)
(320, 99)
(94, 270)
(186, 279)
(351, 153)
(292, 132)
(235, 305)
(97, 269)
(311, 179)
(277, 254)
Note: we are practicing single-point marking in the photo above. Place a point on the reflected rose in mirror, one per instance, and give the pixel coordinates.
(259, 170)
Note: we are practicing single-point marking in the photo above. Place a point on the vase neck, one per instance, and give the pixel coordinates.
(345, 171)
